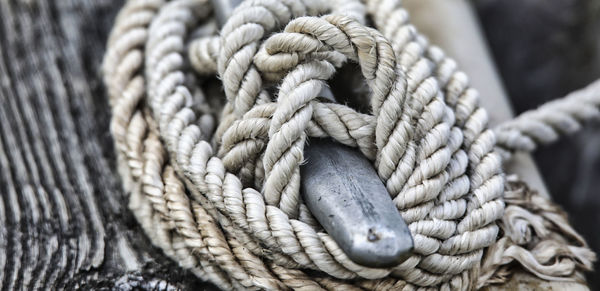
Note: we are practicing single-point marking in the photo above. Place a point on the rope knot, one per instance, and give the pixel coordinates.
(230, 210)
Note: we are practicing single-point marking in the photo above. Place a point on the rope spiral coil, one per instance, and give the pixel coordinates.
(221, 196)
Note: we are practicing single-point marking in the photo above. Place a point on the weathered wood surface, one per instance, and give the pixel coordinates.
(64, 221)
(63, 215)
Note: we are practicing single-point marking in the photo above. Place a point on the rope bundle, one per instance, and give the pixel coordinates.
(221, 196)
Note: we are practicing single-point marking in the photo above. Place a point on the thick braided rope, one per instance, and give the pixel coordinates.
(208, 175)
(138, 158)
(383, 92)
(233, 236)
(433, 141)
(551, 120)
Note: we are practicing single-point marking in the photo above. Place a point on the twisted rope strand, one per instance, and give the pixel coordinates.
(548, 122)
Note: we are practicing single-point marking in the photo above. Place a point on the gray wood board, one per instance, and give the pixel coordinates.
(63, 214)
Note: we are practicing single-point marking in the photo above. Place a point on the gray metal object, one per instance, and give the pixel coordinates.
(343, 191)
(223, 9)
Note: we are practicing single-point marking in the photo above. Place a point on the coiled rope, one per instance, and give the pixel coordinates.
(221, 195)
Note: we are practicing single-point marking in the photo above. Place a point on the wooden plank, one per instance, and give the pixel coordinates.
(65, 222)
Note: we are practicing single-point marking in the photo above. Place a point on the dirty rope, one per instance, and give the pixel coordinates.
(214, 177)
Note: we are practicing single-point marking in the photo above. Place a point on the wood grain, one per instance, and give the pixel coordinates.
(63, 215)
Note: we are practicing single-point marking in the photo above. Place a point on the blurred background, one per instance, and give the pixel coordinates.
(543, 50)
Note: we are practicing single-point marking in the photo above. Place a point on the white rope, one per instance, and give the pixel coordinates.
(225, 203)
(551, 120)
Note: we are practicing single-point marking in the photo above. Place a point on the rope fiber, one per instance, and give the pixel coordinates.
(212, 165)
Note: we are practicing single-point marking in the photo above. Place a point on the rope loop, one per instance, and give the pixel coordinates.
(214, 175)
